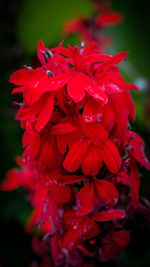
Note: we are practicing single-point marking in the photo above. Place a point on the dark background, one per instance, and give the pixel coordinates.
(22, 24)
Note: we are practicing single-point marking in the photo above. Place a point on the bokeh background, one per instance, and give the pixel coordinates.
(22, 24)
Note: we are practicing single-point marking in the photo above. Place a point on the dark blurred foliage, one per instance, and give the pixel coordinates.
(22, 24)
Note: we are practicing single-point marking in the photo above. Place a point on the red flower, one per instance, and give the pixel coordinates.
(114, 244)
(89, 27)
(99, 193)
(23, 177)
(80, 159)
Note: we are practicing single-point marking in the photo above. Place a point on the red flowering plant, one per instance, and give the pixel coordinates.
(90, 28)
(81, 161)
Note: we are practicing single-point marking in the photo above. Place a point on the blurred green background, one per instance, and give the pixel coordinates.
(22, 24)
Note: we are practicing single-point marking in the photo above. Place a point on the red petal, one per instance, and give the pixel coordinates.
(61, 194)
(115, 59)
(131, 106)
(30, 128)
(95, 132)
(18, 90)
(76, 56)
(85, 199)
(27, 112)
(35, 90)
(92, 111)
(22, 77)
(40, 195)
(106, 192)
(80, 228)
(92, 161)
(121, 113)
(135, 183)
(72, 179)
(45, 113)
(131, 86)
(75, 156)
(111, 250)
(93, 89)
(76, 87)
(122, 238)
(109, 118)
(56, 82)
(71, 239)
(108, 215)
(108, 18)
(55, 247)
(123, 178)
(12, 180)
(111, 157)
(112, 82)
(92, 48)
(62, 128)
(61, 143)
(95, 58)
(137, 150)
(41, 47)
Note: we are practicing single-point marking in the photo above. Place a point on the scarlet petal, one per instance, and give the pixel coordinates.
(94, 90)
(137, 150)
(55, 247)
(92, 161)
(27, 112)
(111, 250)
(94, 58)
(29, 127)
(115, 59)
(76, 87)
(109, 215)
(56, 82)
(22, 77)
(85, 199)
(95, 132)
(45, 113)
(72, 179)
(18, 90)
(92, 111)
(75, 156)
(109, 118)
(121, 113)
(113, 82)
(61, 194)
(131, 106)
(80, 228)
(33, 142)
(76, 56)
(62, 128)
(111, 157)
(133, 87)
(122, 238)
(40, 195)
(71, 239)
(106, 192)
(61, 143)
(41, 47)
(107, 18)
(12, 180)
(123, 178)
(35, 90)
(135, 183)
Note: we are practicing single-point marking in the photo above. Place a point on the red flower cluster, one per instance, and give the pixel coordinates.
(90, 28)
(79, 154)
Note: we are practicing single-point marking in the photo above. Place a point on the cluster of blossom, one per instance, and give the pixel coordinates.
(90, 28)
(80, 161)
